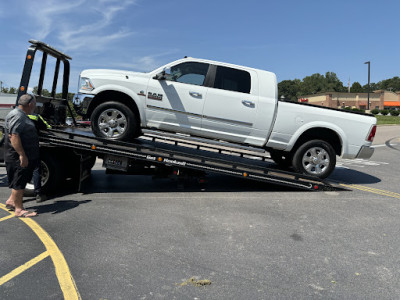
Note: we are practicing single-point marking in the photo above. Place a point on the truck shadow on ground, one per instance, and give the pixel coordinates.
(99, 182)
(349, 176)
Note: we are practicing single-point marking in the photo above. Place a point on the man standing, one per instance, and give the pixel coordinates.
(21, 153)
(40, 124)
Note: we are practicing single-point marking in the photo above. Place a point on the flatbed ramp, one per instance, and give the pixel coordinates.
(159, 150)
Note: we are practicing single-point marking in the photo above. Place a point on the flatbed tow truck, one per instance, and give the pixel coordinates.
(70, 152)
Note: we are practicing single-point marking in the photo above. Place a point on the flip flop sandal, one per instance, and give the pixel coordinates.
(10, 207)
(25, 215)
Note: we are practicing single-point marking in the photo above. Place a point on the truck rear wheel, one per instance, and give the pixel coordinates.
(316, 158)
(114, 120)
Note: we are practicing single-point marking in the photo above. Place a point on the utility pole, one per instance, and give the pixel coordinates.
(369, 65)
(1, 87)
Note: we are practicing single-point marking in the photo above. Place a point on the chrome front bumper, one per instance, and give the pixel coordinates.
(81, 103)
(365, 152)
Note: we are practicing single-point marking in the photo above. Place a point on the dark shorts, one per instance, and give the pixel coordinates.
(18, 177)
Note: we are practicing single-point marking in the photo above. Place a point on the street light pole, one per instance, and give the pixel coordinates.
(369, 65)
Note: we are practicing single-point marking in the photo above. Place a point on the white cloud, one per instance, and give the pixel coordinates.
(146, 63)
(80, 23)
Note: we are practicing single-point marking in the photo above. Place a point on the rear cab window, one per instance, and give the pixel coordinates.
(231, 79)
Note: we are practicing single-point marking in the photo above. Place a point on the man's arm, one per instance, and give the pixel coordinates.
(17, 145)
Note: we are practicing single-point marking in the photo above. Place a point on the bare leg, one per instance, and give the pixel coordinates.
(10, 200)
(17, 196)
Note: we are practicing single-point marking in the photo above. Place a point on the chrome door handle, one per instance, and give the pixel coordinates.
(248, 103)
(195, 94)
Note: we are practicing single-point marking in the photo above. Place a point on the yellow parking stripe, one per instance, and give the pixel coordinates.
(373, 190)
(23, 268)
(63, 273)
(6, 218)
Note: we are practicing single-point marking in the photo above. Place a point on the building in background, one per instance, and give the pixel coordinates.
(7, 103)
(379, 99)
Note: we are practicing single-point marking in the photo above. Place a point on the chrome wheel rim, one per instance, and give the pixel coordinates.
(112, 123)
(45, 173)
(316, 161)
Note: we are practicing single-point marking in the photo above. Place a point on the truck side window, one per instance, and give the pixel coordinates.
(189, 72)
(232, 80)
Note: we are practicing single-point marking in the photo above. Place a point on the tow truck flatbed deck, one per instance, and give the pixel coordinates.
(185, 155)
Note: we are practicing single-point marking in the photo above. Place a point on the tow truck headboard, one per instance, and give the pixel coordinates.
(50, 105)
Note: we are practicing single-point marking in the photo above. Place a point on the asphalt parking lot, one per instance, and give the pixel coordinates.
(131, 237)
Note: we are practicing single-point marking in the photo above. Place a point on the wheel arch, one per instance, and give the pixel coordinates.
(320, 133)
(117, 96)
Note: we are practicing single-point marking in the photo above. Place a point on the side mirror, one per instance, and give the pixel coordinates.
(160, 76)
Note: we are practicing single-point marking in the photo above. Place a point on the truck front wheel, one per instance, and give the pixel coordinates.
(114, 120)
(316, 158)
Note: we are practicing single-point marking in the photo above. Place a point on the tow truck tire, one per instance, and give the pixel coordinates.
(281, 158)
(315, 158)
(114, 120)
(51, 173)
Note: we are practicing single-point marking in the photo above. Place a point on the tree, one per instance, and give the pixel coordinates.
(4, 90)
(356, 88)
(372, 87)
(313, 84)
(289, 89)
(392, 84)
(332, 83)
(45, 92)
(12, 90)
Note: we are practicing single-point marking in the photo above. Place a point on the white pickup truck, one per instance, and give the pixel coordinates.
(225, 102)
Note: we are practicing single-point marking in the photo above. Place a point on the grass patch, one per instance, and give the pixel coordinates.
(387, 119)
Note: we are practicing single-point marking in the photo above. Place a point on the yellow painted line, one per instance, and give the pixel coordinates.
(373, 190)
(23, 268)
(6, 218)
(63, 273)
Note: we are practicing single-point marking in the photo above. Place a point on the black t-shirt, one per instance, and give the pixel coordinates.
(17, 122)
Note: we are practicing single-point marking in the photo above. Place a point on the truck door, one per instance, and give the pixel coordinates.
(231, 105)
(175, 102)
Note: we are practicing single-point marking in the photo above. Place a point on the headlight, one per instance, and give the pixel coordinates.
(86, 84)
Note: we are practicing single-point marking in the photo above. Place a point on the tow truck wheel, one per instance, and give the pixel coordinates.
(114, 120)
(51, 176)
(316, 158)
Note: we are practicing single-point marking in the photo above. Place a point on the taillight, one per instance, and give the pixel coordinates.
(372, 134)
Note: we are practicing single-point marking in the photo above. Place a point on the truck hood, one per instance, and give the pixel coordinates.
(107, 73)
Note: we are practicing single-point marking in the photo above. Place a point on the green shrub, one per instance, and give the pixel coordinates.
(357, 109)
(394, 113)
(384, 112)
(375, 111)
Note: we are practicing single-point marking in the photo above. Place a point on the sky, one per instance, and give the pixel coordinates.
(293, 39)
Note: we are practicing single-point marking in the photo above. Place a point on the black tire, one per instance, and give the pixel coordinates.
(114, 120)
(281, 158)
(51, 173)
(316, 158)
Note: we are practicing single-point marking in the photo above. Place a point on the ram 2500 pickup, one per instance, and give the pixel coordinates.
(225, 102)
